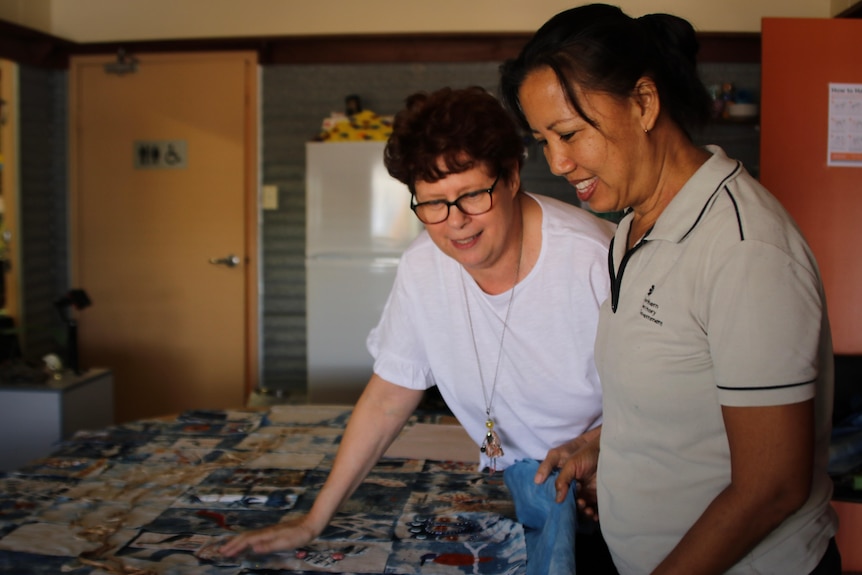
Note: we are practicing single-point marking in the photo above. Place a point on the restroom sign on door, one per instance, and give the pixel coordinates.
(160, 154)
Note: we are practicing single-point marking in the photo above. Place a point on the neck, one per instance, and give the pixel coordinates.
(509, 268)
(678, 164)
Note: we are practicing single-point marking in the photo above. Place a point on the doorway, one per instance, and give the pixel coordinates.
(163, 177)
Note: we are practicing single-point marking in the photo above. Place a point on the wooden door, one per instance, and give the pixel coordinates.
(178, 331)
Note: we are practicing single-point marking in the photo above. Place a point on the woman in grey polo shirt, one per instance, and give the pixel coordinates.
(714, 348)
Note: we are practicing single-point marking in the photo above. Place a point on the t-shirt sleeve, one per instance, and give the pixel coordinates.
(764, 328)
(395, 343)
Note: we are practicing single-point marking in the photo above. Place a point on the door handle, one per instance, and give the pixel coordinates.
(230, 261)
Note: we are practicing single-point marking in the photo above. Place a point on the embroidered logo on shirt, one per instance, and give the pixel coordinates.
(649, 308)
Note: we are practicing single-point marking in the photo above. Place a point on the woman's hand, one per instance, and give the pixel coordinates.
(377, 417)
(279, 537)
(577, 461)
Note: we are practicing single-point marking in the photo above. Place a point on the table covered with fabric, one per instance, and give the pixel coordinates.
(160, 496)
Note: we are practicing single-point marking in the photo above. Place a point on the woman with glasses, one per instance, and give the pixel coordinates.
(495, 303)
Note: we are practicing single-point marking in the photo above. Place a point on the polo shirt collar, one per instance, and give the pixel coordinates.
(691, 203)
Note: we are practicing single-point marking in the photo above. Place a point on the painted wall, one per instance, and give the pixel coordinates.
(34, 14)
(838, 6)
(112, 20)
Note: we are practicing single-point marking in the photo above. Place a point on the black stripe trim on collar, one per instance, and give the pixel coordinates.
(718, 188)
(738, 215)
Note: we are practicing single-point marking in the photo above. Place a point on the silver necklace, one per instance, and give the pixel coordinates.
(491, 446)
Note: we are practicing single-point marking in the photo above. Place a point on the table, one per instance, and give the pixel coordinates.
(160, 496)
(35, 417)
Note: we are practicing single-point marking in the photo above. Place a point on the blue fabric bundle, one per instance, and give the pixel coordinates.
(549, 527)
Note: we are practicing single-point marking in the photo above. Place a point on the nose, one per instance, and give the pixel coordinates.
(559, 163)
(456, 218)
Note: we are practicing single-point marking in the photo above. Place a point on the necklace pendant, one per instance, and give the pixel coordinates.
(492, 446)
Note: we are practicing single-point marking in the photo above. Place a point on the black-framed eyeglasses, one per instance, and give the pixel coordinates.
(471, 204)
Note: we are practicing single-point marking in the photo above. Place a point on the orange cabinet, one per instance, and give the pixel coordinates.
(801, 57)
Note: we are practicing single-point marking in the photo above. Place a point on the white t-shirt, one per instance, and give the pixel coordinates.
(721, 305)
(547, 390)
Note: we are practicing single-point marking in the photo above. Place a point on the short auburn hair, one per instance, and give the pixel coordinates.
(451, 131)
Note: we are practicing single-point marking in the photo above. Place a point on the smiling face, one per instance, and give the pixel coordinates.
(604, 164)
(479, 243)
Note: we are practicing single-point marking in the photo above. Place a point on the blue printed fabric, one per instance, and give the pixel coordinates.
(549, 527)
(845, 449)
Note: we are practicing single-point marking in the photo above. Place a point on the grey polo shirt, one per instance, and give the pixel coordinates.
(720, 304)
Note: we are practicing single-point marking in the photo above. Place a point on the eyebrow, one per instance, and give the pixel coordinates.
(553, 125)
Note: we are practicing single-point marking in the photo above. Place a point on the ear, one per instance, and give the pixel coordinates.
(647, 102)
(514, 180)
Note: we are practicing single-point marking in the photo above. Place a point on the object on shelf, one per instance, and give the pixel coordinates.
(728, 96)
(352, 105)
(22, 372)
(355, 124)
(730, 103)
(78, 299)
(742, 110)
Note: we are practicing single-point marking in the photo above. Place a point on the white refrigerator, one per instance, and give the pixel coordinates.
(358, 222)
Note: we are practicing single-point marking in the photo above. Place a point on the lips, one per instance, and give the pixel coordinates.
(466, 242)
(585, 188)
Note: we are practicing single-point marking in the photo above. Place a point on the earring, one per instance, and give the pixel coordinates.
(646, 130)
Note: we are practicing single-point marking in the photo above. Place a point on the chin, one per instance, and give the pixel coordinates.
(602, 204)
(599, 207)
